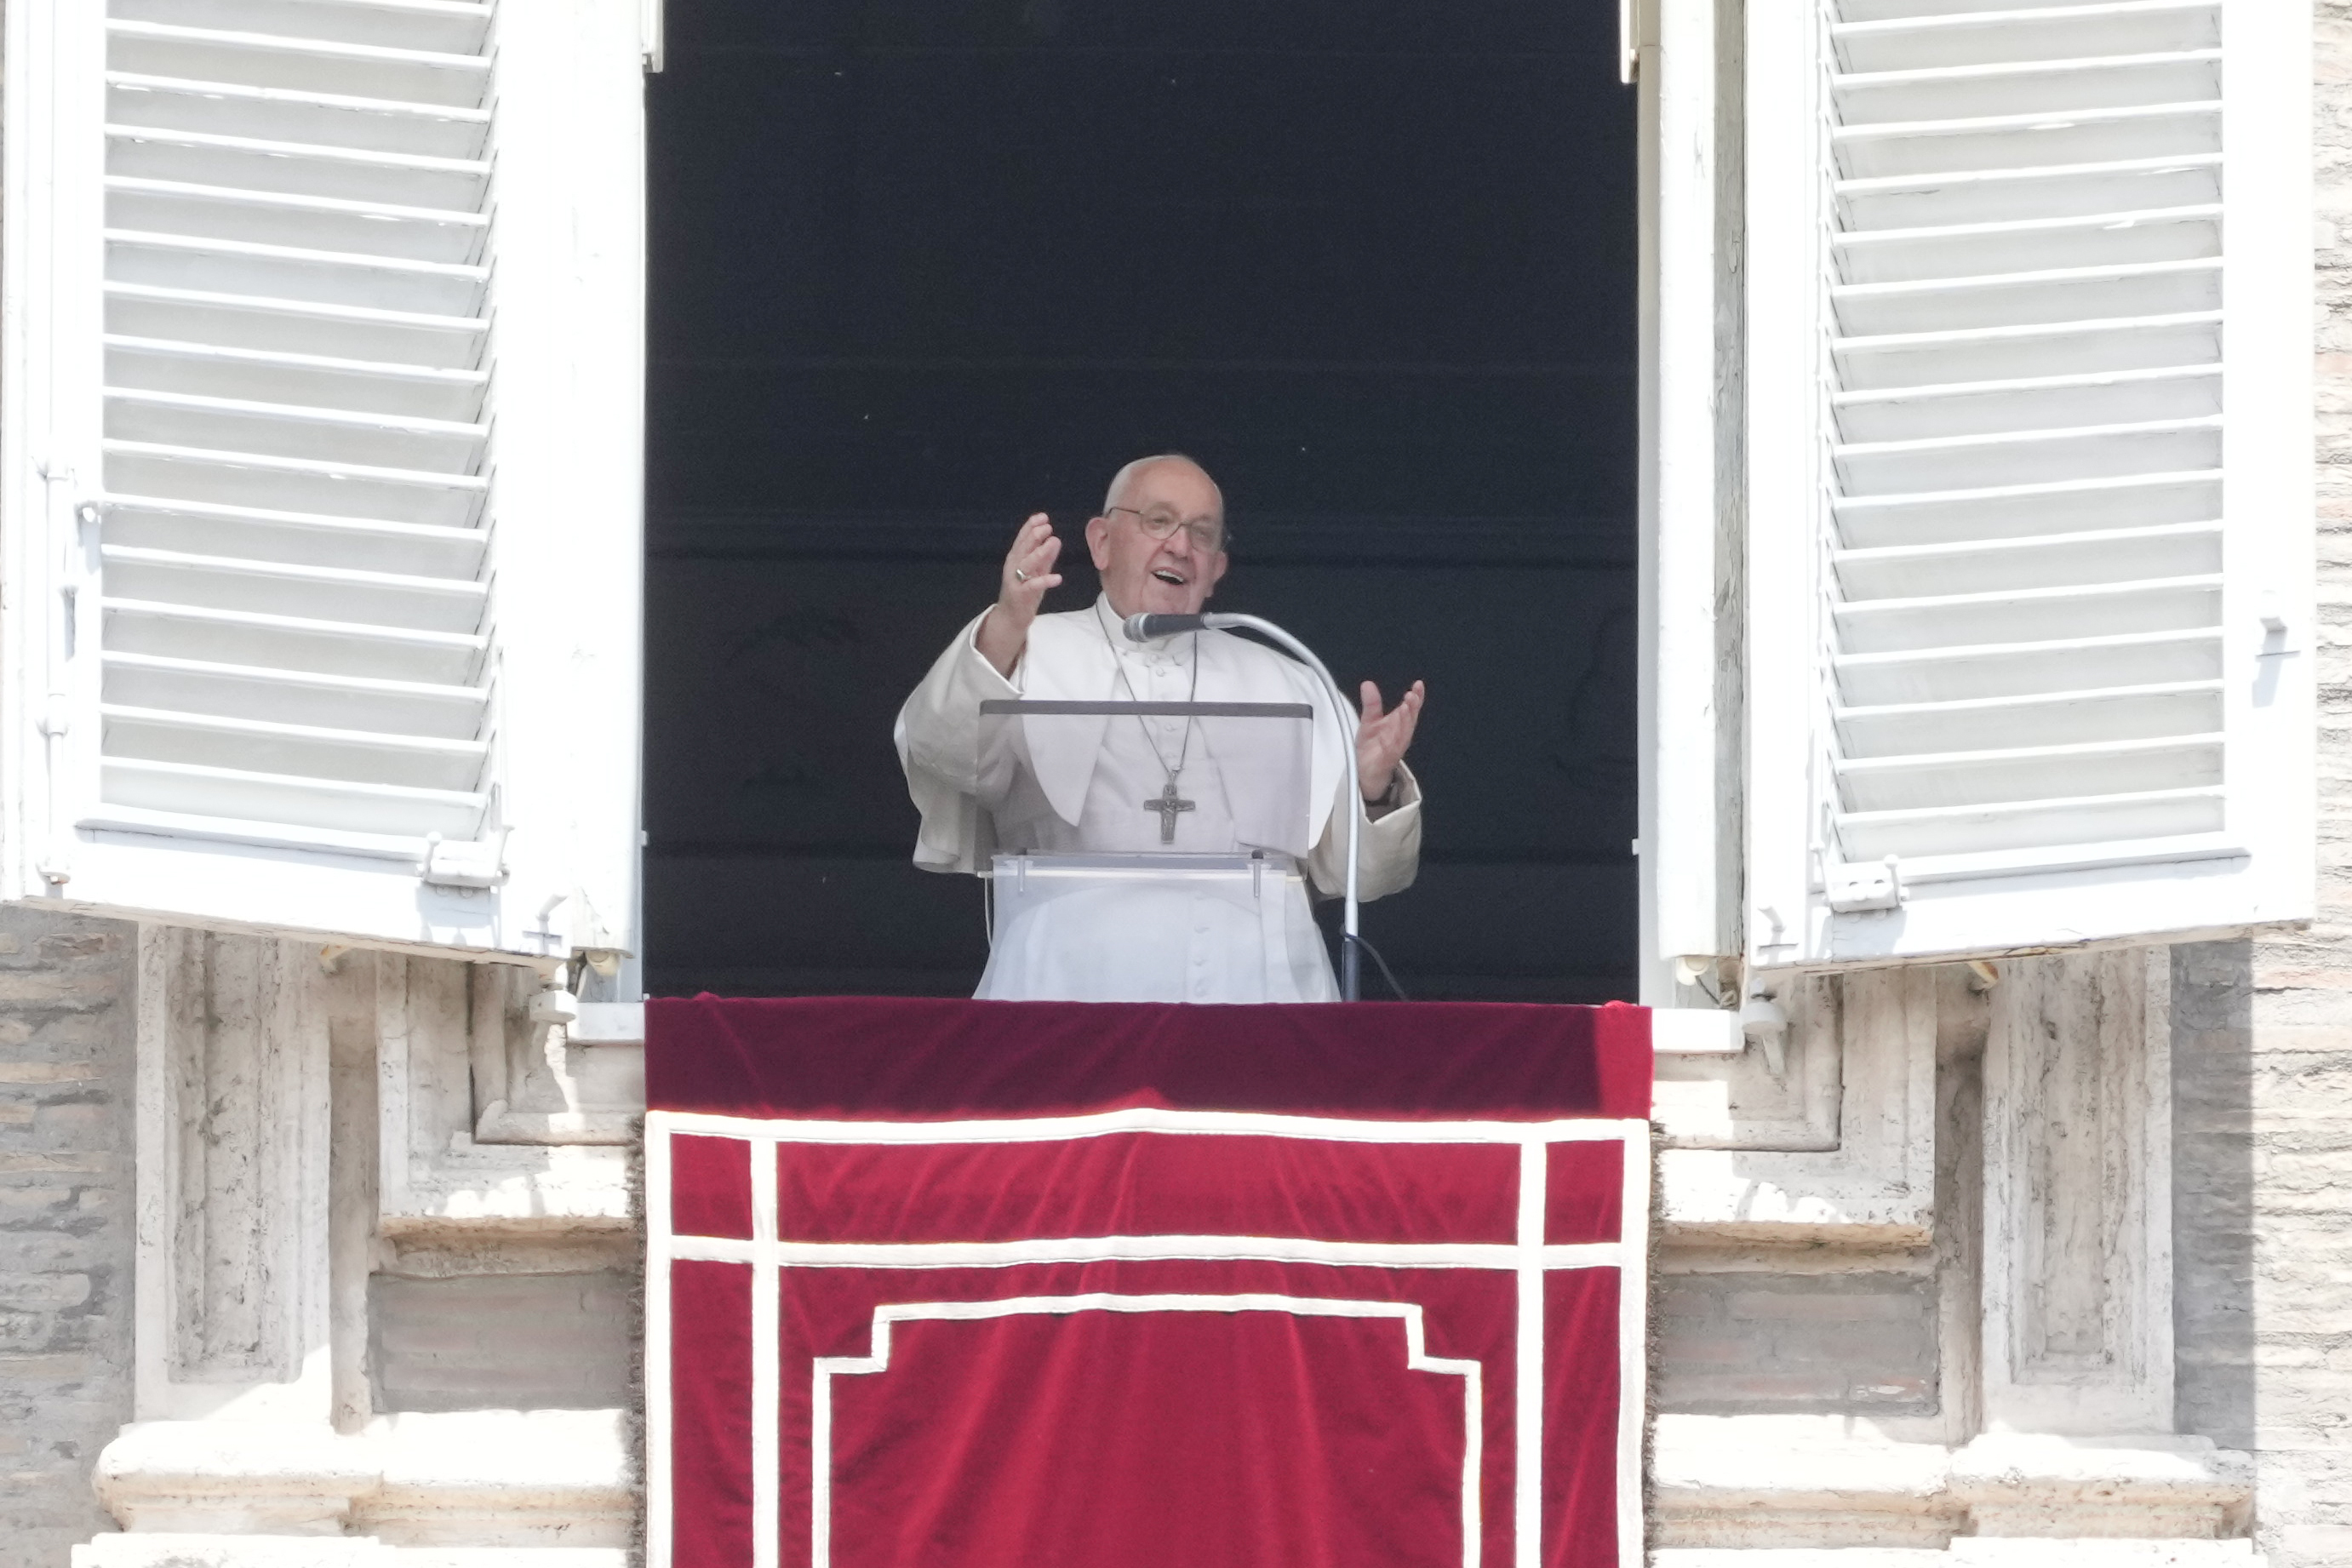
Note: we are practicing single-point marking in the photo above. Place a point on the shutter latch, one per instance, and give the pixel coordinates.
(464, 863)
(2273, 611)
(1871, 885)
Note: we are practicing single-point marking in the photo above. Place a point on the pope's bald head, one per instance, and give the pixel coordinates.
(1172, 464)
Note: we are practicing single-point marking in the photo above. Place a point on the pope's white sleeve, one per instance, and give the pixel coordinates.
(938, 736)
(1390, 847)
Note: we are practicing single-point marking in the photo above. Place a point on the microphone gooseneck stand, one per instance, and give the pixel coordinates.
(1151, 628)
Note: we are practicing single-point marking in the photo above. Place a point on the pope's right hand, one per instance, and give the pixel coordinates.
(1021, 588)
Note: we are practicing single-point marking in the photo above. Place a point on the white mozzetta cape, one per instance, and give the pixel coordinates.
(1068, 658)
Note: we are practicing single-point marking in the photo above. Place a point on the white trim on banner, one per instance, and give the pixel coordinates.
(1417, 1359)
(1230, 1124)
(1144, 1249)
(767, 1357)
(659, 1515)
(1633, 1340)
(1527, 1409)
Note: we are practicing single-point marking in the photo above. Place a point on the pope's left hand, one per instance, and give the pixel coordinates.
(1381, 738)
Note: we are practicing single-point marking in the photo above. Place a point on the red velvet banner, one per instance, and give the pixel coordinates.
(967, 1284)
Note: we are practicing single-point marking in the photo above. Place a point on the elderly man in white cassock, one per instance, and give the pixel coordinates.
(1157, 785)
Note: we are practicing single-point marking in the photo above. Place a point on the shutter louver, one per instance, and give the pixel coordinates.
(2026, 497)
(321, 435)
(294, 568)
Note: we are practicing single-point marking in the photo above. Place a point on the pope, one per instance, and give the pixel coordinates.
(1152, 784)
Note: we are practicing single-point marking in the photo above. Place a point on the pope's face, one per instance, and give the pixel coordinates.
(1170, 576)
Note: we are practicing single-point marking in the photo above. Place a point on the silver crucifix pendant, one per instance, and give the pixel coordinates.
(1167, 804)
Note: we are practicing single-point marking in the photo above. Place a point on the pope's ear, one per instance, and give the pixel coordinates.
(1098, 540)
(1216, 574)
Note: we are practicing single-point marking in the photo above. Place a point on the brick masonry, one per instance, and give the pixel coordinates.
(65, 1142)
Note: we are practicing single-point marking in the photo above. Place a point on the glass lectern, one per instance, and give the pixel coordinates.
(1149, 850)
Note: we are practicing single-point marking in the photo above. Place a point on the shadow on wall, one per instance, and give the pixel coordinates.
(2213, 1190)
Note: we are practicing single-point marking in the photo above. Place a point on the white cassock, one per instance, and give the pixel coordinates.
(1142, 941)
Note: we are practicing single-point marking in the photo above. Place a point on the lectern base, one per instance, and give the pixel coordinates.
(1154, 928)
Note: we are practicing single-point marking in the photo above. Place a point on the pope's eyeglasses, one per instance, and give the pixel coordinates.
(1207, 534)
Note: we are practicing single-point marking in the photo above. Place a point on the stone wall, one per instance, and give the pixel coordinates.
(521, 1340)
(2263, 1042)
(66, 1140)
(1735, 1340)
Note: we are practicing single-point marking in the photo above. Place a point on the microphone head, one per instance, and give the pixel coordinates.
(1151, 628)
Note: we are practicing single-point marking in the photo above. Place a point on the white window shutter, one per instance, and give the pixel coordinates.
(320, 431)
(2030, 578)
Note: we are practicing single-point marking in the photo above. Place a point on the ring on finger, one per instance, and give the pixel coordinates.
(1019, 575)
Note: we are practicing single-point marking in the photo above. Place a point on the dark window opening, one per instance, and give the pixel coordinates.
(919, 269)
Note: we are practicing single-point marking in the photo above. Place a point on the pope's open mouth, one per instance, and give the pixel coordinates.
(1167, 576)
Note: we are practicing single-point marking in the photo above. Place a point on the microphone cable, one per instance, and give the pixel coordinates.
(1359, 939)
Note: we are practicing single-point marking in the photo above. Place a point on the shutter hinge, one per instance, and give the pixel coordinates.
(1764, 1021)
(1871, 885)
(464, 863)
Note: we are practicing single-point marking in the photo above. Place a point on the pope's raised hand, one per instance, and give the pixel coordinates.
(1021, 588)
(1381, 738)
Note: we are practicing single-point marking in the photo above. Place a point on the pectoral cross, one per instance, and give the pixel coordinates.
(1167, 805)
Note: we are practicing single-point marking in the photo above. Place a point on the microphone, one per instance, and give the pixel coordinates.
(1151, 628)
